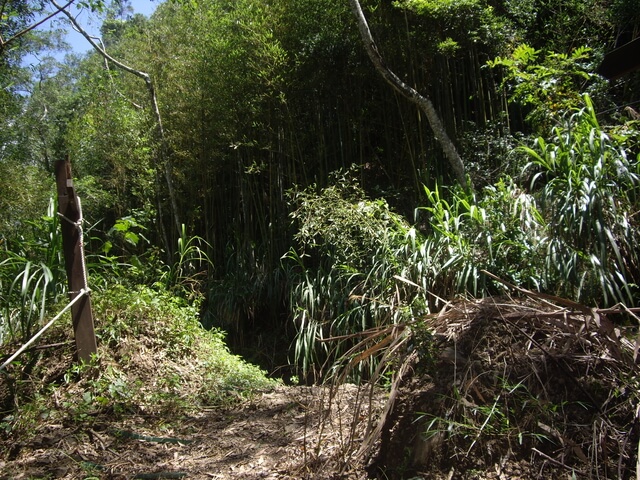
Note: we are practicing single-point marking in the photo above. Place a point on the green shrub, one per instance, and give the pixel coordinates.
(154, 334)
(589, 191)
(153, 357)
(547, 83)
(346, 276)
(499, 230)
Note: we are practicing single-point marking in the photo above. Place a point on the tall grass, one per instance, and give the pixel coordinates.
(190, 266)
(500, 229)
(589, 191)
(570, 231)
(32, 276)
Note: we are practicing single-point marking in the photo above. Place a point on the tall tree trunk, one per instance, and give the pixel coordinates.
(412, 94)
(165, 158)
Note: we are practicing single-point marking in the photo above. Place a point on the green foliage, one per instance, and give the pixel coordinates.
(130, 257)
(153, 357)
(234, 300)
(258, 97)
(455, 23)
(125, 230)
(491, 152)
(108, 142)
(25, 191)
(93, 5)
(340, 223)
(448, 47)
(500, 231)
(589, 190)
(195, 366)
(48, 110)
(191, 263)
(32, 276)
(559, 25)
(624, 14)
(514, 415)
(359, 266)
(346, 275)
(546, 83)
(442, 8)
(573, 235)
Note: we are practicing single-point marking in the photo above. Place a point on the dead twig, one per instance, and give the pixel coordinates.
(558, 463)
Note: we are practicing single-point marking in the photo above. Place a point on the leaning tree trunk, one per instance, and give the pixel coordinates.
(165, 159)
(412, 94)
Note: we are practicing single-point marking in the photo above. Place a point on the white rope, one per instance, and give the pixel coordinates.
(81, 240)
(81, 293)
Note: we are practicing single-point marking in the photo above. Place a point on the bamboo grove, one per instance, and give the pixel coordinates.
(313, 200)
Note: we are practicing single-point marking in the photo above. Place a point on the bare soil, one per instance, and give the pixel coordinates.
(290, 432)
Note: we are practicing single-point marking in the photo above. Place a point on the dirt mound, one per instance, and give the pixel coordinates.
(517, 389)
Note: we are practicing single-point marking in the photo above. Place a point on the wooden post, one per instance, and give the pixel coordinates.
(70, 212)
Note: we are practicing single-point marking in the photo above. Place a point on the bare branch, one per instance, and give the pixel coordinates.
(164, 156)
(4, 43)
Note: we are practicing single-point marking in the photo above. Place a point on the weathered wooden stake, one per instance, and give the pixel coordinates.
(70, 211)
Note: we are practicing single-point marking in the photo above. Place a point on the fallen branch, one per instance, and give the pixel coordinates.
(559, 463)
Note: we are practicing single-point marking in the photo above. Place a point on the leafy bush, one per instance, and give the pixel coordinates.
(458, 23)
(153, 357)
(346, 275)
(572, 234)
(546, 84)
(499, 230)
(158, 335)
(589, 192)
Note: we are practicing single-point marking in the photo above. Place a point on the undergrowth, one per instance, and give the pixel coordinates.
(568, 226)
(153, 358)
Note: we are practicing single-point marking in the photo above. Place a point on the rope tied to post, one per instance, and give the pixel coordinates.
(83, 291)
(78, 226)
(73, 245)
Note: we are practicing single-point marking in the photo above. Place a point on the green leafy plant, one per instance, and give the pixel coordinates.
(572, 233)
(128, 231)
(546, 83)
(154, 356)
(197, 367)
(191, 262)
(589, 191)
(31, 277)
(346, 276)
(499, 229)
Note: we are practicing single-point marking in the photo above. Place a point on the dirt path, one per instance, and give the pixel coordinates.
(291, 432)
(506, 390)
